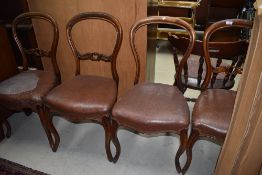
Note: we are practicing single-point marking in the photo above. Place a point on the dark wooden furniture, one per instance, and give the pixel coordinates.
(221, 51)
(8, 66)
(8, 11)
(222, 9)
(214, 107)
(87, 97)
(207, 12)
(25, 91)
(152, 107)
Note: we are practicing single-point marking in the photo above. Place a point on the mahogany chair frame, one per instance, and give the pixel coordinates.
(38, 108)
(94, 56)
(144, 22)
(195, 132)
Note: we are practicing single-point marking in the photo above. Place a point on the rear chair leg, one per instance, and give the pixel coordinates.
(27, 112)
(110, 127)
(181, 149)
(191, 141)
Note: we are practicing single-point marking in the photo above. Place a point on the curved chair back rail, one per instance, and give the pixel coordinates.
(37, 51)
(163, 20)
(95, 56)
(240, 23)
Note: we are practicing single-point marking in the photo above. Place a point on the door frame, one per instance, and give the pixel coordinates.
(241, 153)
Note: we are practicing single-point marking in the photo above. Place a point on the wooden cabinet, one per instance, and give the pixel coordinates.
(7, 59)
(8, 11)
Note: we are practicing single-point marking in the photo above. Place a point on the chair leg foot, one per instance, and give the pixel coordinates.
(2, 132)
(181, 149)
(8, 128)
(191, 141)
(115, 140)
(27, 112)
(51, 132)
(110, 127)
(5, 133)
(55, 136)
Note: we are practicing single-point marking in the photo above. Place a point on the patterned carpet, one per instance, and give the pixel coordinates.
(10, 168)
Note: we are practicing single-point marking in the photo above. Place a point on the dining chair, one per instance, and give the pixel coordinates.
(25, 91)
(222, 52)
(87, 97)
(152, 108)
(213, 109)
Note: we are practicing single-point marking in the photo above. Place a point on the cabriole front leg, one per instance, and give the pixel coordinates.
(110, 127)
(191, 141)
(181, 149)
(47, 124)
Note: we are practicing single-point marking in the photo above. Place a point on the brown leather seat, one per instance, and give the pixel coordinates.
(26, 88)
(212, 112)
(152, 107)
(214, 107)
(82, 96)
(25, 91)
(86, 97)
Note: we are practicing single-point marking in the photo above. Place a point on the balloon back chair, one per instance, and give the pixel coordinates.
(25, 91)
(86, 97)
(213, 109)
(153, 107)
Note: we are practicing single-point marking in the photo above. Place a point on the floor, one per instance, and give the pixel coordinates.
(81, 149)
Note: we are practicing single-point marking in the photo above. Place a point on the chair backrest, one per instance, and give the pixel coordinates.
(234, 50)
(94, 56)
(37, 51)
(163, 20)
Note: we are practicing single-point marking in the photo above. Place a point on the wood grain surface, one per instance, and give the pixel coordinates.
(94, 36)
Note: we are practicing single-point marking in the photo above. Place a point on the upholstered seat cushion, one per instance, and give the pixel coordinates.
(26, 88)
(83, 97)
(152, 107)
(213, 111)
